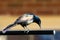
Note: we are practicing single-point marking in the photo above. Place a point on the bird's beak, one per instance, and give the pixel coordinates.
(37, 20)
(39, 24)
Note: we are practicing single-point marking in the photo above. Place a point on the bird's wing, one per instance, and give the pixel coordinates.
(30, 21)
(21, 20)
(24, 18)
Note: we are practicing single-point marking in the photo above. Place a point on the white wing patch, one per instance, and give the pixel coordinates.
(26, 17)
(30, 21)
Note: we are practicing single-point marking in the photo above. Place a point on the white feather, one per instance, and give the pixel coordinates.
(26, 17)
(29, 21)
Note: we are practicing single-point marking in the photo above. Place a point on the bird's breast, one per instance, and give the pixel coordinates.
(24, 24)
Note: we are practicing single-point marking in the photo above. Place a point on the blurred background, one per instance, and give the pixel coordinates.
(47, 10)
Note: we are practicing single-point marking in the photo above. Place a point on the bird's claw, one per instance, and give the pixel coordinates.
(26, 31)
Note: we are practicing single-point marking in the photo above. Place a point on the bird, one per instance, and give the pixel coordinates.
(24, 20)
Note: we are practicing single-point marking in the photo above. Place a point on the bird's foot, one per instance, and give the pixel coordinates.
(26, 31)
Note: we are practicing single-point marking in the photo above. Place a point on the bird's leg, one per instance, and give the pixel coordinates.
(26, 29)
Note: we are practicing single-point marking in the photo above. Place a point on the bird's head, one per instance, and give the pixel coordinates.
(37, 20)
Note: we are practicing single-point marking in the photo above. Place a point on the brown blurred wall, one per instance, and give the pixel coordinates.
(18, 37)
(41, 7)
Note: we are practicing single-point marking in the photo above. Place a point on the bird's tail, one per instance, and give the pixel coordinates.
(9, 26)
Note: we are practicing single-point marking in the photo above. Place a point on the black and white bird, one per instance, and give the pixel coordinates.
(24, 21)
